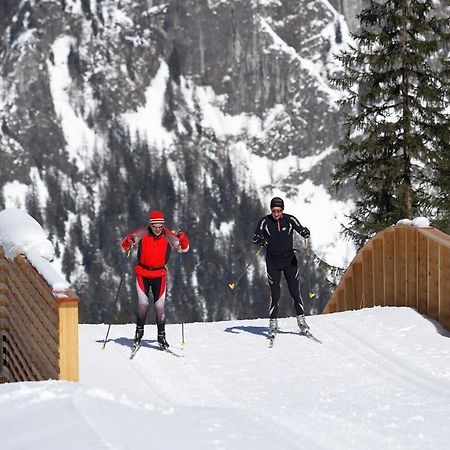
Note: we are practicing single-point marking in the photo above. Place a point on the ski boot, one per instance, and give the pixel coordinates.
(304, 328)
(138, 336)
(164, 345)
(273, 328)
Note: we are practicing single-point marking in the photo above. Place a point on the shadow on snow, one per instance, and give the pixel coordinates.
(128, 342)
(261, 331)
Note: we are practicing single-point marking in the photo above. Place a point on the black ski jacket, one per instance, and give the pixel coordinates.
(279, 235)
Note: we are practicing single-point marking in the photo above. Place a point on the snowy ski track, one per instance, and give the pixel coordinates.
(381, 379)
(365, 382)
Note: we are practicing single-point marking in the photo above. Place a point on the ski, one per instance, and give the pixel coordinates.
(309, 335)
(134, 350)
(271, 340)
(171, 352)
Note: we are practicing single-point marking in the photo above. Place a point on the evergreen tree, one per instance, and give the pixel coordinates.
(32, 204)
(398, 137)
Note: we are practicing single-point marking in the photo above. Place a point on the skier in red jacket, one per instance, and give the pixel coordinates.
(154, 245)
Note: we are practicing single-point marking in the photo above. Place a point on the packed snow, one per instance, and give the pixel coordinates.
(21, 234)
(418, 222)
(381, 379)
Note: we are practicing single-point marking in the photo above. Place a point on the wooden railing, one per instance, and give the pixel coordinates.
(400, 266)
(38, 327)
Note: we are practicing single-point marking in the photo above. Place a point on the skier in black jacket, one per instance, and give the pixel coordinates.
(276, 232)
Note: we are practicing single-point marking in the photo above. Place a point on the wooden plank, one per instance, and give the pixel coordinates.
(34, 327)
(3, 300)
(28, 342)
(3, 311)
(357, 284)
(433, 279)
(4, 287)
(444, 287)
(33, 372)
(341, 300)
(49, 309)
(16, 375)
(422, 273)
(37, 281)
(436, 235)
(46, 323)
(68, 349)
(378, 271)
(389, 272)
(331, 306)
(22, 369)
(411, 268)
(400, 266)
(367, 264)
(349, 294)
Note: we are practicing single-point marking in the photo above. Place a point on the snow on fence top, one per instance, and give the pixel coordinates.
(419, 222)
(21, 234)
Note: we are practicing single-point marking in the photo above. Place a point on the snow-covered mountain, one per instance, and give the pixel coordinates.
(202, 108)
(381, 379)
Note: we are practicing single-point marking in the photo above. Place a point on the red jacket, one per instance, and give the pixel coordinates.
(154, 251)
(153, 255)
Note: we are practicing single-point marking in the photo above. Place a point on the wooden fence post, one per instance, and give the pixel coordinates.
(433, 280)
(411, 268)
(389, 273)
(68, 336)
(378, 272)
(422, 273)
(400, 266)
(444, 288)
(367, 258)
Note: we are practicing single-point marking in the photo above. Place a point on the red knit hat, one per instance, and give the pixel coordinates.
(156, 218)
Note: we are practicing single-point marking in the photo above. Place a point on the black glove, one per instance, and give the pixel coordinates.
(305, 233)
(262, 241)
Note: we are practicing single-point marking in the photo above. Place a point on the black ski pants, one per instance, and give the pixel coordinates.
(158, 288)
(289, 267)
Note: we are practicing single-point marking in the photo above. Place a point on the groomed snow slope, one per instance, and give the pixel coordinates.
(381, 379)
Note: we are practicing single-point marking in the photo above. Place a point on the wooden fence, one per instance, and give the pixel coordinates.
(400, 266)
(38, 326)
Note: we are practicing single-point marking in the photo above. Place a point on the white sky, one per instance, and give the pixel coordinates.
(380, 380)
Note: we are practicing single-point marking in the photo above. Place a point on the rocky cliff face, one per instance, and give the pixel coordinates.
(202, 108)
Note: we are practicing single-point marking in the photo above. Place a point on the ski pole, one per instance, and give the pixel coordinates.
(182, 322)
(125, 261)
(311, 294)
(232, 285)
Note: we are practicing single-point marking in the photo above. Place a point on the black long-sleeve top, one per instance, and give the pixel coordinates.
(279, 235)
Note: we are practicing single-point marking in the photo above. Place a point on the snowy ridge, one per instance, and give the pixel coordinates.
(381, 379)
